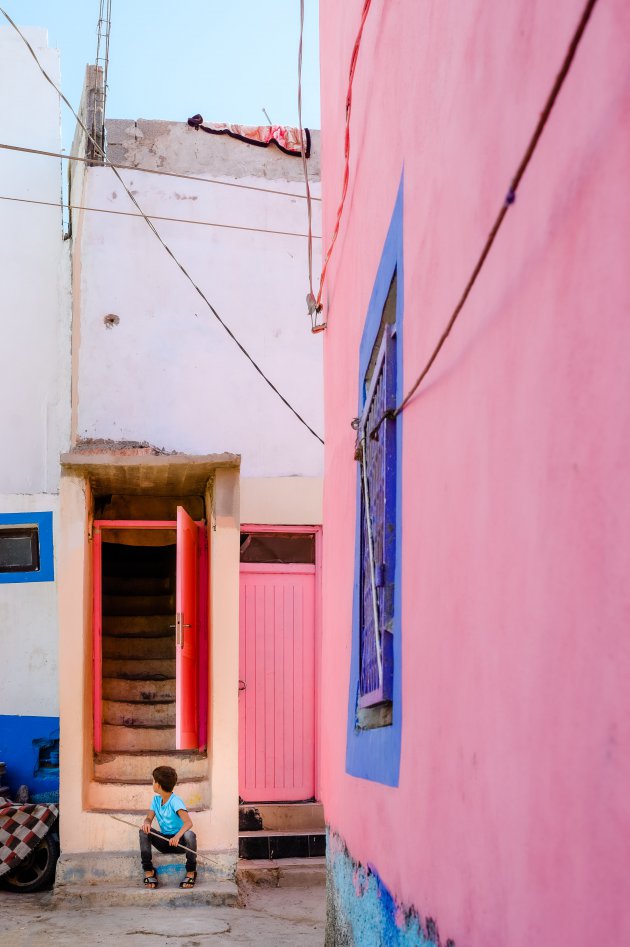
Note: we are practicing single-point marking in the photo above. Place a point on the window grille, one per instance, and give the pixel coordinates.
(377, 458)
(19, 548)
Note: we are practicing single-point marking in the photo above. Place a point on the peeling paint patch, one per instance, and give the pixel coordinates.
(362, 912)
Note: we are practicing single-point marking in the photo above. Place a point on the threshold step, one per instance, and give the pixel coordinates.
(283, 873)
(117, 894)
(280, 845)
(295, 816)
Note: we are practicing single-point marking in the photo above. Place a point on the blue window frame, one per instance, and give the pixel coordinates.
(26, 547)
(376, 453)
(374, 752)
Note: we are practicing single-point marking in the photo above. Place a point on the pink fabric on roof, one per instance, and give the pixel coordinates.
(285, 137)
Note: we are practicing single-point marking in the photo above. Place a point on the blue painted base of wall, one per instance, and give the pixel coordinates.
(30, 748)
(361, 912)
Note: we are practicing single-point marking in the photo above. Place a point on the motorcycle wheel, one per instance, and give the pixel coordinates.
(37, 871)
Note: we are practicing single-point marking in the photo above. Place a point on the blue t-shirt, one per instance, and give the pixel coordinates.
(170, 823)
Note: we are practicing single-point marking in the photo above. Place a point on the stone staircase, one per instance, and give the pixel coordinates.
(138, 648)
(281, 845)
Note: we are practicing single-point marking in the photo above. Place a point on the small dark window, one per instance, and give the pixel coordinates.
(19, 549)
(278, 547)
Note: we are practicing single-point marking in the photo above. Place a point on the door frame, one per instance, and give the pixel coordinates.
(316, 531)
(98, 526)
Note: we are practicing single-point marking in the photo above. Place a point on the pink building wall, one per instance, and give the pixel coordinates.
(511, 818)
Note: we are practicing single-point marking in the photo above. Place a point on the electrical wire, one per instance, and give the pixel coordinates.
(127, 213)
(507, 203)
(168, 174)
(304, 164)
(317, 303)
(157, 235)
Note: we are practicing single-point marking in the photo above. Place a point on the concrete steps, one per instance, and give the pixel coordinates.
(136, 585)
(125, 894)
(136, 625)
(122, 714)
(150, 669)
(295, 816)
(115, 878)
(137, 648)
(275, 844)
(136, 767)
(286, 873)
(123, 738)
(138, 691)
(135, 798)
(139, 604)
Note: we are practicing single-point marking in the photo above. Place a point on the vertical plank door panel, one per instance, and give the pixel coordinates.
(186, 628)
(277, 667)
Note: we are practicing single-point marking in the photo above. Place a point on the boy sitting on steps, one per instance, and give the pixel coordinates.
(174, 822)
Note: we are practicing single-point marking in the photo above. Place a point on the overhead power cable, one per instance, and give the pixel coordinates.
(129, 213)
(157, 235)
(305, 168)
(507, 203)
(168, 174)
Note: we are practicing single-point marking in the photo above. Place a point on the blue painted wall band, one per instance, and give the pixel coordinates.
(375, 754)
(44, 523)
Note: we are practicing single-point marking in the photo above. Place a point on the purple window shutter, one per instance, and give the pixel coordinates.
(380, 457)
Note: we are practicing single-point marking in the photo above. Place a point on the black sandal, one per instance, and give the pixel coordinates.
(151, 881)
(189, 881)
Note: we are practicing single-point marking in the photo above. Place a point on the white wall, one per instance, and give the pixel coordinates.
(167, 373)
(28, 629)
(35, 358)
(34, 289)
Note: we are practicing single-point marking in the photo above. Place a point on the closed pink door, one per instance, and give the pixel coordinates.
(277, 683)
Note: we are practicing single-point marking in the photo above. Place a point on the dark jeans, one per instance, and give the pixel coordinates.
(189, 839)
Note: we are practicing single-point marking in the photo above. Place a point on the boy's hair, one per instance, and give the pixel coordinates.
(166, 777)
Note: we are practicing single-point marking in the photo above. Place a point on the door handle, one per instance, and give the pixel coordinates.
(242, 685)
(179, 629)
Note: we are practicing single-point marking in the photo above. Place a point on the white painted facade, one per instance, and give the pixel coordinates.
(167, 372)
(35, 316)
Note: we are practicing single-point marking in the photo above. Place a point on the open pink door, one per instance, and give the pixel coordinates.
(186, 630)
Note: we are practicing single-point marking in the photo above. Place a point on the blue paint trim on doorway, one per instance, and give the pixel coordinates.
(44, 523)
(30, 748)
(375, 754)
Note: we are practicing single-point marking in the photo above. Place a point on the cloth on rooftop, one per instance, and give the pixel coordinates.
(22, 827)
(284, 136)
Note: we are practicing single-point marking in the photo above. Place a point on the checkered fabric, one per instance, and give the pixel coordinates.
(21, 830)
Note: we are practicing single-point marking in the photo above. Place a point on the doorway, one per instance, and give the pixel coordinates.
(277, 664)
(150, 635)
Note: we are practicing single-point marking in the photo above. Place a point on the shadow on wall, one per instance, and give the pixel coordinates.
(29, 746)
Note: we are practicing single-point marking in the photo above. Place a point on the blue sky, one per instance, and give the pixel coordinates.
(226, 60)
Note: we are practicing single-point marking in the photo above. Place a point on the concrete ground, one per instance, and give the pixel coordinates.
(270, 917)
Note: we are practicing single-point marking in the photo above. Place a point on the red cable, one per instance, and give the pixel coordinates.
(346, 172)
